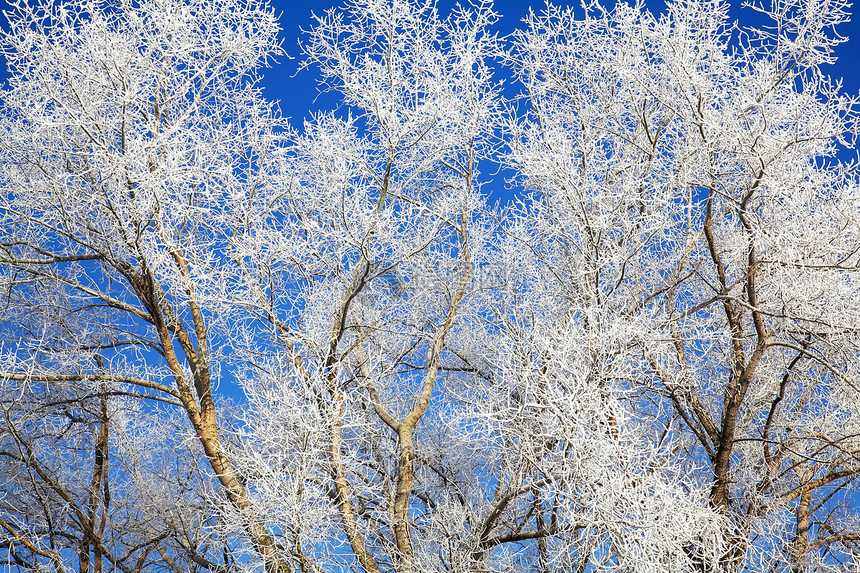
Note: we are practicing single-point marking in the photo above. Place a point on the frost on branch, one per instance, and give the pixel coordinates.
(648, 360)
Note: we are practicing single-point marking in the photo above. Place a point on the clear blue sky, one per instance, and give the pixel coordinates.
(297, 94)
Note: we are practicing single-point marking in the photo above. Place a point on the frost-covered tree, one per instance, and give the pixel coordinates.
(687, 196)
(131, 133)
(648, 360)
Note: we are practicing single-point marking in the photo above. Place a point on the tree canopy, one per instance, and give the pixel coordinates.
(647, 361)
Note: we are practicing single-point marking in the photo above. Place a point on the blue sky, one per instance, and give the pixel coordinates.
(296, 92)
